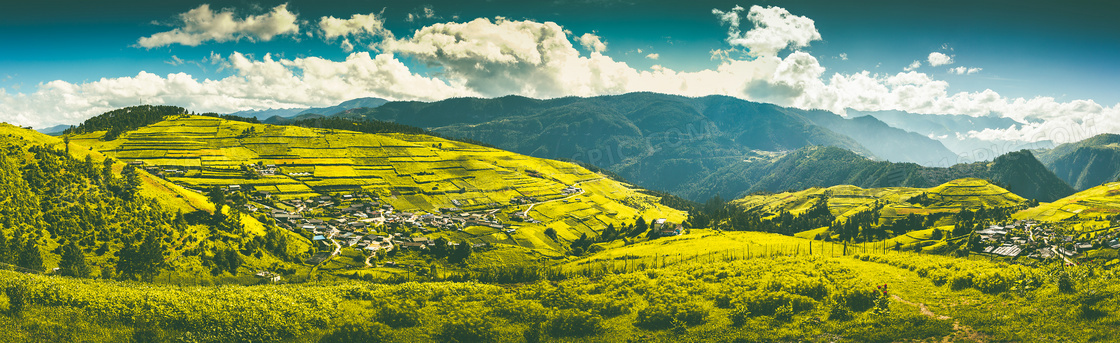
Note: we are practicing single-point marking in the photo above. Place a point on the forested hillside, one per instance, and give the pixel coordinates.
(808, 167)
(89, 218)
(1087, 163)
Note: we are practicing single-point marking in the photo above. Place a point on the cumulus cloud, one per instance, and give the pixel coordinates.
(653, 56)
(775, 29)
(964, 70)
(938, 59)
(843, 56)
(592, 42)
(201, 25)
(256, 84)
(358, 24)
(913, 65)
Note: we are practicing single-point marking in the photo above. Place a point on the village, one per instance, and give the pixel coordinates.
(1027, 238)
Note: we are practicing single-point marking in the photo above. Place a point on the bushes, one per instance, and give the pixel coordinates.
(856, 299)
(570, 323)
(760, 303)
(357, 332)
(662, 315)
(399, 314)
(462, 329)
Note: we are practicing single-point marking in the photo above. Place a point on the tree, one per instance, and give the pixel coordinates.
(73, 261)
(144, 260)
(218, 197)
(30, 257)
(5, 256)
(639, 227)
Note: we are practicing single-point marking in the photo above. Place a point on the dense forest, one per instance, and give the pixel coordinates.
(122, 120)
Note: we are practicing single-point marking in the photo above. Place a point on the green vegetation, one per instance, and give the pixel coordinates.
(156, 234)
(867, 297)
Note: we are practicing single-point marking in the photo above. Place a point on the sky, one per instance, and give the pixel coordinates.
(1048, 65)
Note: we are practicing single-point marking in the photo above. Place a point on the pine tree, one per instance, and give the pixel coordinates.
(150, 256)
(5, 257)
(73, 261)
(30, 257)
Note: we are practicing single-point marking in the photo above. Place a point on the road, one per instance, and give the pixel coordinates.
(581, 192)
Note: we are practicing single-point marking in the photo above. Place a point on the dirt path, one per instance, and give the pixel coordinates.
(961, 333)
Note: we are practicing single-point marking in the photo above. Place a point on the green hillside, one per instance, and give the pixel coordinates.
(1086, 164)
(412, 173)
(775, 295)
(808, 167)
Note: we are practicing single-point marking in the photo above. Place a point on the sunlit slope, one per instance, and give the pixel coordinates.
(1096, 203)
(898, 201)
(410, 172)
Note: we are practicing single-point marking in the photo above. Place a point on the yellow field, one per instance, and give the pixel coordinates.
(411, 172)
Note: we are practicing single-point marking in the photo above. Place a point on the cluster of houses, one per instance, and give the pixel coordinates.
(1026, 236)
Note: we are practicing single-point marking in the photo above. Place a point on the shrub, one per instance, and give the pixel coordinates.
(762, 303)
(960, 280)
(856, 299)
(572, 322)
(399, 314)
(662, 315)
(991, 282)
(357, 332)
(468, 329)
(525, 311)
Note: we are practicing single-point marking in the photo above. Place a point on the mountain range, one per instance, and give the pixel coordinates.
(655, 140)
(292, 112)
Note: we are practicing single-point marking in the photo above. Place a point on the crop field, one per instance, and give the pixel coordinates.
(413, 173)
(846, 200)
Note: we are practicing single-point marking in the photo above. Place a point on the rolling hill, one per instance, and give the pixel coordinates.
(412, 173)
(1085, 164)
(657, 141)
(809, 167)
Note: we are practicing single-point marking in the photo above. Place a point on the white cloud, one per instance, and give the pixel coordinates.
(843, 56)
(498, 57)
(938, 59)
(913, 65)
(964, 70)
(775, 29)
(358, 24)
(592, 42)
(201, 25)
(256, 84)
(653, 56)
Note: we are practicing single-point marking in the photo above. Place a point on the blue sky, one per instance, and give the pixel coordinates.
(1019, 50)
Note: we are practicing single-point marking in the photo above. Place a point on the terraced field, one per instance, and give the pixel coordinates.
(413, 173)
(846, 200)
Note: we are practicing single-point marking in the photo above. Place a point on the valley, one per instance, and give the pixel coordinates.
(395, 233)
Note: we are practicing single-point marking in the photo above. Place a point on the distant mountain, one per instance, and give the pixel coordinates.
(291, 112)
(1085, 164)
(808, 167)
(278, 120)
(952, 131)
(887, 142)
(658, 141)
(54, 130)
